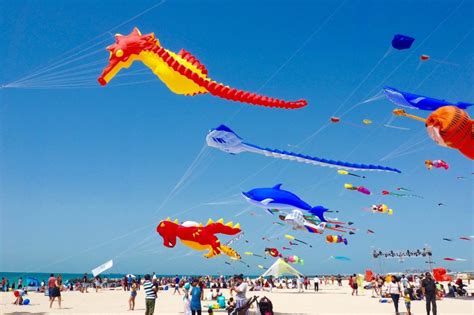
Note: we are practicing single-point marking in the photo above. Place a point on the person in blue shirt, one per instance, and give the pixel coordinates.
(176, 285)
(196, 297)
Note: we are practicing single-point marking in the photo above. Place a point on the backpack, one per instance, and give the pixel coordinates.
(265, 306)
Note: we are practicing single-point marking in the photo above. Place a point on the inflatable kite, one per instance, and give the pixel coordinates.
(294, 260)
(182, 73)
(439, 274)
(272, 252)
(436, 164)
(199, 237)
(415, 101)
(454, 259)
(336, 239)
(224, 139)
(360, 189)
(382, 208)
(401, 42)
(277, 198)
(448, 126)
(344, 172)
(310, 223)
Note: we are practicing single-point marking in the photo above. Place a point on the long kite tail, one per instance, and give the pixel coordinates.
(320, 161)
(221, 90)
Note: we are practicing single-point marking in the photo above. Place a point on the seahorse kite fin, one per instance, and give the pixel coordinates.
(182, 73)
(224, 139)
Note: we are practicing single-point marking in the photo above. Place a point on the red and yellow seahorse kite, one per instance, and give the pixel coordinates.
(199, 237)
(182, 73)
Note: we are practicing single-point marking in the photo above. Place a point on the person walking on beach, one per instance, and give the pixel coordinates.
(84, 283)
(176, 285)
(133, 295)
(316, 283)
(394, 289)
(150, 295)
(197, 295)
(56, 292)
(353, 284)
(20, 283)
(428, 287)
(51, 285)
(339, 280)
(240, 288)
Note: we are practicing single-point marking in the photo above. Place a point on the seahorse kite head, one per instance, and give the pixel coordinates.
(124, 52)
(182, 73)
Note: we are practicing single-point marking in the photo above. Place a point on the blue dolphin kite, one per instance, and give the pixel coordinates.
(415, 101)
(277, 198)
(224, 139)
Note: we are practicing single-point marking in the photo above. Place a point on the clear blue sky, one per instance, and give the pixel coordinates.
(85, 172)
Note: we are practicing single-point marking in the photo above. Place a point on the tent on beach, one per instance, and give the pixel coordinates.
(281, 268)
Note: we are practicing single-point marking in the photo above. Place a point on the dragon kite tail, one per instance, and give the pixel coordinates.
(220, 227)
(230, 252)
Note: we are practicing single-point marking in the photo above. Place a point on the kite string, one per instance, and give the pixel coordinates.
(60, 58)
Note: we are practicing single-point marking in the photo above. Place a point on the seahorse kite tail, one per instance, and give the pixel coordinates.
(182, 73)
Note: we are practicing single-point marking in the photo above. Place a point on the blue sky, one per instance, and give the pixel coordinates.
(87, 173)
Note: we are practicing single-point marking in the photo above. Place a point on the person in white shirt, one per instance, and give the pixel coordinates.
(394, 289)
(300, 284)
(240, 288)
(316, 283)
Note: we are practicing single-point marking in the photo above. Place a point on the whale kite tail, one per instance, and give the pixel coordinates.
(319, 212)
(463, 105)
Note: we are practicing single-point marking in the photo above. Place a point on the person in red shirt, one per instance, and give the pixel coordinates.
(51, 285)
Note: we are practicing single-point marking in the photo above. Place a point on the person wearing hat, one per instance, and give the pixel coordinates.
(428, 287)
(240, 288)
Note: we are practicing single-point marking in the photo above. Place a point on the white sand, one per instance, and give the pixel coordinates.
(330, 300)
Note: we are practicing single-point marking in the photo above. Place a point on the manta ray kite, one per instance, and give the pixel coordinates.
(182, 73)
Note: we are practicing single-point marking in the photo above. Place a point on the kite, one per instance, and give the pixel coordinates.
(415, 101)
(224, 139)
(465, 238)
(367, 121)
(182, 73)
(199, 237)
(261, 267)
(382, 208)
(401, 42)
(454, 259)
(403, 189)
(424, 57)
(272, 252)
(294, 260)
(344, 258)
(344, 172)
(100, 269)
(336, 239)
(441, 204)
(298, 221)
(447, 239)
(369, 231)
(436, 164)
(277, 198)
(386, 193)
(440, 274)
(335, 119)
(252, 254)
(292, 238)
(293, 244)
(285, 248)
(450, 127)
(360, 189)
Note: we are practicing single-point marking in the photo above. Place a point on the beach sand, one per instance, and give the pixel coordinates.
(331, 299)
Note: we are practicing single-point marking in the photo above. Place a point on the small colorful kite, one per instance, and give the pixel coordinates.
(292, 238)
(436, 164)
(454, 259)
(360, 189)
(344, 172)
(336, 239)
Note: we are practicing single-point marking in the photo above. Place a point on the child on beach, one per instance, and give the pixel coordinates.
(407, 297)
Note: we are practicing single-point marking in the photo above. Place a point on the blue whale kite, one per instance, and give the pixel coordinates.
(224, 139)
(415, 101)
(277, 198)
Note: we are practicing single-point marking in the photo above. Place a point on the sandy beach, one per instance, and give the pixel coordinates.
(331, 299)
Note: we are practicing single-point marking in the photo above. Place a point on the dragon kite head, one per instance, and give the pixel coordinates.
(125, 51)
(167, 230)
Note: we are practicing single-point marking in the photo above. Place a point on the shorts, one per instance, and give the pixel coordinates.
(408, 305)
(133, 294)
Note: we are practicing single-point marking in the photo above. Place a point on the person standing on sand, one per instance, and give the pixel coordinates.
(316, 283)
(84, 283)
(196, 296)
(176, 285)
(150, 295)
(240, 288)
(394, 289)
(339, 280)
(56, 292)
(133, 295)
(428, 287)
(51, 285)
